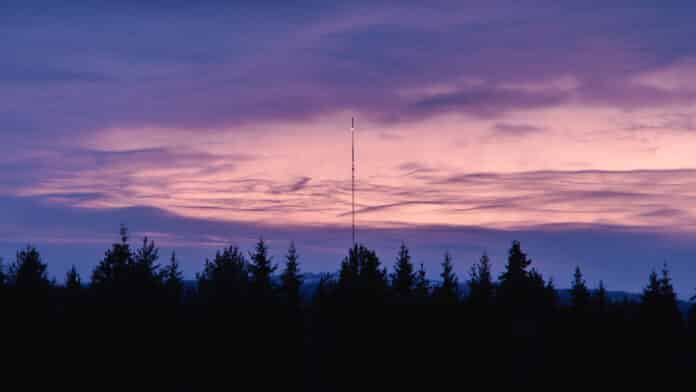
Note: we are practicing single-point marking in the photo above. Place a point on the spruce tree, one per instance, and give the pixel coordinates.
(172, 279)
(601, 298)
(361, 277)
(403, 278)
(261, 269)
(481, 286)
(112, 272)
(143, 271)
(290, 279)
(518, 286)
(448, 290)
(225, 279)
(72, 279)
(28, 272)
(579, 294)
(422, 285)
(659, 307)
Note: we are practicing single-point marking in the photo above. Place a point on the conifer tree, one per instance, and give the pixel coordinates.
(291, 279)
(225, 279)
(448, 290)
(261, 269)
(28, 272)
(172, 279)
(403, 278)
(517, 285)
(349, 272)
(143, 271)
(361, 276)
(72, 279)
(422, 285)
(481, 286)
(601, 297)
(112, 272)
(659, 306)
(579, 293)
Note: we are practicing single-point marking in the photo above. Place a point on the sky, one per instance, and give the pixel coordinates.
(570, 126)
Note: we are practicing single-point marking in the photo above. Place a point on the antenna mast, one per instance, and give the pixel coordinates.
(352, 135)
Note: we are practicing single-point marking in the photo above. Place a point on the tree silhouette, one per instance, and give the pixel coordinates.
(172, 279)
(361, 277)
(403, 278)
(659, 306)
(72, 279)
(290, 279)
(448, 290)
(519, 288)
(481, 286)
(422, 284)
(142, 269)
(261, 269)
(601, 297)
(28, 272)
(579, 294)
(112, 272)
(225, 279)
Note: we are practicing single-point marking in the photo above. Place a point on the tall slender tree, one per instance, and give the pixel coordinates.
(403, 278)
(448, 290)
(422, 284)
(261, 269)
(579, 294)
(291, 279)
(517, 285)
(143, 268)
(602, 299)
(481, 286)
(172, 279)
(72, 279)
(112, 272)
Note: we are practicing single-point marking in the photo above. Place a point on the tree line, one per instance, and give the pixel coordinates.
(253, 311)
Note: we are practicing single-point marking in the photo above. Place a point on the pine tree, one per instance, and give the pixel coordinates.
(261, 270)
(172, 280)
(291, 279)
(579, 293)
(448, 290)
(349, 272)
(143, 271)
(112, 272)
(481, 286)
(518, 286)
(361, 277)
(601, 297)
(422, 285)
(659, 308)
(403, 278)
(28, 272)
(516, 267)
(225, 279)
(72, 279)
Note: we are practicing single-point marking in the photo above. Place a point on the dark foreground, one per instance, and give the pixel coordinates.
(243, 327)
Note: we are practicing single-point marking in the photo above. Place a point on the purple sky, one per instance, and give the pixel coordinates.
(567, 125)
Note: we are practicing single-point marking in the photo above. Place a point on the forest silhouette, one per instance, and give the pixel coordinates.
(247, 324)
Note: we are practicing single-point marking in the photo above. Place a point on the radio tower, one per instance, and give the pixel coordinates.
(352, 136)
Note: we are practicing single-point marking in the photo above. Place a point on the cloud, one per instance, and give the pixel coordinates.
(515, 129)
